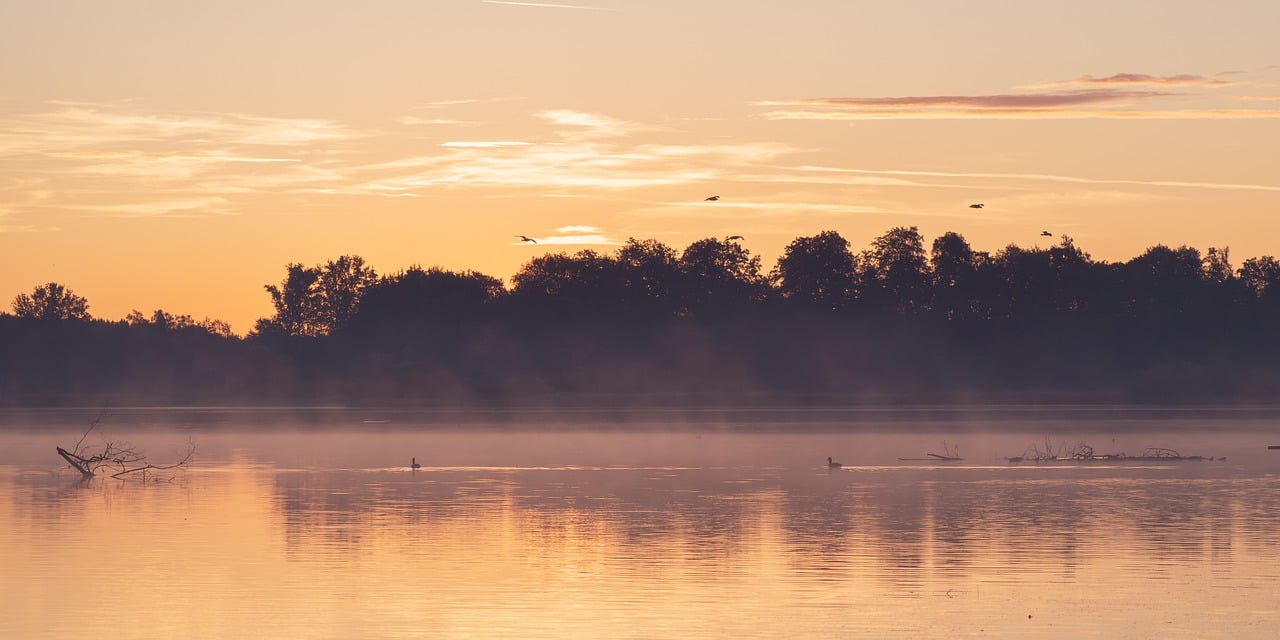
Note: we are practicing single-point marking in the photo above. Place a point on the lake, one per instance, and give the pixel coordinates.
(684, 532)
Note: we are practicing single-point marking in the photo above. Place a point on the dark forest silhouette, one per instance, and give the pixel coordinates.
(648, 324)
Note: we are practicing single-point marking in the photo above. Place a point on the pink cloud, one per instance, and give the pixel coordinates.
(999, 101)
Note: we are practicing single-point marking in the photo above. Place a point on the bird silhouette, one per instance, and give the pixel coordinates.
(832, 464)
(1046, 234)
(733, 238)
(711, 198)
(977, 205)
(414, 464)
(526, 239)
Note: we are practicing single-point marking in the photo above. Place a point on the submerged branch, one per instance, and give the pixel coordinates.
(121, 458)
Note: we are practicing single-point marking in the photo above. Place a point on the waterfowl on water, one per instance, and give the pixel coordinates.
(413, 464)
(832, 464)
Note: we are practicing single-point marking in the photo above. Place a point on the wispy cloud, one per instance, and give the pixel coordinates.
(416, 121)
(585, 239)
(1042, 177)
(584, 124)
(575, 234)
(547, 5)
(1141, 79)
(761, 209)
(484, 144)
(1119, 96)
(195, 207)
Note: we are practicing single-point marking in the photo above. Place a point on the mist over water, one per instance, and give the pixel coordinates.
(722, 529)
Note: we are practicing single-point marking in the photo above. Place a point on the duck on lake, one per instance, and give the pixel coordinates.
(413, 464)
(832, 464)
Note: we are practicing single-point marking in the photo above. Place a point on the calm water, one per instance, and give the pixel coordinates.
(329, 534)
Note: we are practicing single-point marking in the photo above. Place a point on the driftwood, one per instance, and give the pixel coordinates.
(120, 458)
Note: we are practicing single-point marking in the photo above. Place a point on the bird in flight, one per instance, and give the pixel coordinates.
(1046, 234)
(711, 198)
(977, 205)
(733, 238)
(526, 239)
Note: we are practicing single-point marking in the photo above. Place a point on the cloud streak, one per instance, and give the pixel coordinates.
(547, 5)
(1139, 79)
(1132, 96)
(1042, 177)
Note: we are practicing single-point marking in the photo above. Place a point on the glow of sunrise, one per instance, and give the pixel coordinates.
(178, 157)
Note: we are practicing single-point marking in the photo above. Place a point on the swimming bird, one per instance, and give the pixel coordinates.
(1046, 234)
(831, 464)
(711, 198)
(414, 464)
(526, 239)
(977, 205)
(733, 238)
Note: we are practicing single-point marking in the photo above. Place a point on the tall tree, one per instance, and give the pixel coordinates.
(720, 272)
(316, 301)
(819, 270)
(1262, 276)
(417, 295)
(895, 264)
(954, 267)
(650, 270)
(340, 285)
(297, 303)
(587, 276)
(51, 301)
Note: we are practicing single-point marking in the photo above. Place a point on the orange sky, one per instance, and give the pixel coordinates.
(177, 157)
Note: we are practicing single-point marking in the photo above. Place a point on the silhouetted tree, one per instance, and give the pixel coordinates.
(1217, 265)
(1163, 281)
(1262, 277)
(720, 273)
(896, 269)
(585, 277)
(340, 285)
(51, 301)
(297, 303)
(165, 321)
(315, 301)
(650, 271)
(1074, 281)
(954, 272)
(819, 270)
(1167, 325)
(418, 296)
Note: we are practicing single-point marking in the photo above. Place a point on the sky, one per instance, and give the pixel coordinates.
(177, 156)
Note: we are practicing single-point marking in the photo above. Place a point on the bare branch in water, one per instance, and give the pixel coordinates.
(119, 457)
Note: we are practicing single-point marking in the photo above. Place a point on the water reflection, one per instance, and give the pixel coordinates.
(243, 548)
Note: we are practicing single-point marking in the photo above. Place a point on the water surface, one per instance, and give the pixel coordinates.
(689, 534)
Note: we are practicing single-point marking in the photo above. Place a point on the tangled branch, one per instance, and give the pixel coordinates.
(120, 458)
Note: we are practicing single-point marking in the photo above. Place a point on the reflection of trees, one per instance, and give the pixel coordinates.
(901, 528)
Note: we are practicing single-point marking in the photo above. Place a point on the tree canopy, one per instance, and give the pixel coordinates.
(892, 320)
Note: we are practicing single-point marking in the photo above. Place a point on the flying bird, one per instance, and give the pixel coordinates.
(526, 239)
(977, 205)
(733, 238)
(1046, 234)
(711, 198)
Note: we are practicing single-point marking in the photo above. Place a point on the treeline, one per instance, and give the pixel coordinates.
(650, 324)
